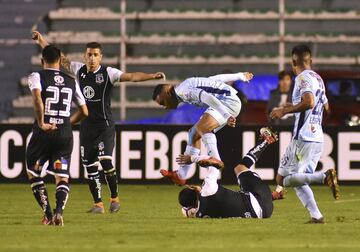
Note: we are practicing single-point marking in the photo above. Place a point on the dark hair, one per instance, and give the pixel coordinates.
(94, 45)
(188, 197)
(283, 74)
(157, 90)
(301, 51)
(51, 54)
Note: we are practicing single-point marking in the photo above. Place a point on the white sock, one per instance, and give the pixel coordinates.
(299, 179)
(183, 170)
(306, 196)
(210, 142)
(279, 188)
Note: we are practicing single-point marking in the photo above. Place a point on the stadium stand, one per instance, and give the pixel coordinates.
(179, 36)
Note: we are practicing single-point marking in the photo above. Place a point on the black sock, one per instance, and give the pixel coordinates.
(111, 180)
(61, 195)
(39, 190)
(94, 183)
(254, 154)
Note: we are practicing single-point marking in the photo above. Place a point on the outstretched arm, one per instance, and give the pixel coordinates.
(37, 36)
(139, 76)
(233, 77)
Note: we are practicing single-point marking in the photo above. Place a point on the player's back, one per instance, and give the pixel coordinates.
(191, 86)
(57, 93)
(307, 125)
(226, 203)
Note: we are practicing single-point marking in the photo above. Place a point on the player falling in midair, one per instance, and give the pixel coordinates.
(223, 108)
(297, 167)
(215, 201)
(52, 140)
(97, 132)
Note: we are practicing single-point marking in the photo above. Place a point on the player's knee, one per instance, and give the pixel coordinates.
(239, 169)
(108, 167)
(194, 136)
(60, 180)
(29, 175)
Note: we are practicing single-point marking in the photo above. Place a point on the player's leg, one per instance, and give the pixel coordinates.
(106, 147)
(34, 167)
(306, 196)
(310, 155)
(89, 153)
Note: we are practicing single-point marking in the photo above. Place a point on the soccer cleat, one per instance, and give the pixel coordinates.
(173, 176)
(316, 221)
(331, 181)
(268, 135)
(278, 195)
(98, 208)
(211, 162)
(45, 221)
(114, 205)
(58, 220)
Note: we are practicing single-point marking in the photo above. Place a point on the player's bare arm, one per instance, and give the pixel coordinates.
(39, 111)
(79, 115)
(243, 76)
(42, 42)
(307, 102)
(139, 76)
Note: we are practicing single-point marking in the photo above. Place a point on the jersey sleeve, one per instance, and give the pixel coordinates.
(229, 77)
(210, 185)
(78, 97)
(34, 81)
(304, 84)
(187, 93)
(75, 67)
(114, 74)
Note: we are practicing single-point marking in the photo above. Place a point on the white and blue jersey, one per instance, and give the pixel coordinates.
(190, 90)
(308, 123)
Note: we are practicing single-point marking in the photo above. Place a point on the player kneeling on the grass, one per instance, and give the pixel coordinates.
(215, 201)
(52, 138)
(223, 106)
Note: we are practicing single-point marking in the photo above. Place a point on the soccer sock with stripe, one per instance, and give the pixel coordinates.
(61, 195)
(94, 182)
(184, 169)
(210, 142)
(110, 176)
(254, 154)
(41, 196)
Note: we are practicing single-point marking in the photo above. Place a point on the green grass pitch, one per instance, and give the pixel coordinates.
(150, 220)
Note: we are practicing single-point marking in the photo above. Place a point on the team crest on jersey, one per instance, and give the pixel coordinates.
(88, 92)
(99, 78)
(101, 146)
(59, 79)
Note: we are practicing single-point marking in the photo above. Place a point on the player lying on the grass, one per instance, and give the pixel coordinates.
(223, 107)
(215, 201)
(97, 132)
(298, 165)
(52, 139)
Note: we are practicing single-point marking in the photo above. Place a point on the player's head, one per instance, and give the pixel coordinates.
(285, 81)
(51, 55)
(93, 56)
(189, 197)
(300, 58)
(164, 95)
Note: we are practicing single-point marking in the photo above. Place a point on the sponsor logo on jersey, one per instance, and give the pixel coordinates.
(59, 79)
(83, 75)
(88, 92)
(99, 78)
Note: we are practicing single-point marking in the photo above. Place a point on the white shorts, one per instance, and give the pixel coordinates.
(232, 103)
(300, 157)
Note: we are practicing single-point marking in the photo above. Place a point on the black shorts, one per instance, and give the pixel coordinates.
(250, 182)
(96, 142)
(55, 147)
